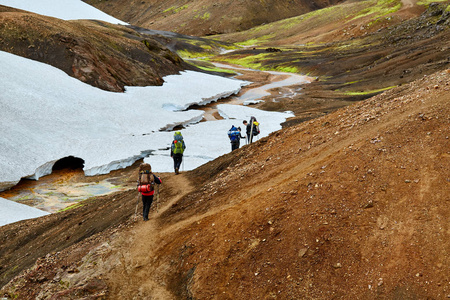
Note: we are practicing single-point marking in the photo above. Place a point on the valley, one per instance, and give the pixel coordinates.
(349, 200)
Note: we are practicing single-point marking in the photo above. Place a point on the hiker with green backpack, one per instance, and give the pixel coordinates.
(176, 151)
(146, 186)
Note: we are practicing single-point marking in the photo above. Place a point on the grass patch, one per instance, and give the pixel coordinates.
(428, 2)
(185, 54)
(251, 61)
(379, 8)
(175, 9)
(256, 41)
(365, 93)
(26, 197)
(71, 207)
(215, 69)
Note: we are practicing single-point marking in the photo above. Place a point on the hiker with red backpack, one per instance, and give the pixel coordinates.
(177, 150)
(146, 186)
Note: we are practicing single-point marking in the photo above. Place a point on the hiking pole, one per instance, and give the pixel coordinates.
(135, 211)
(250, 139)
(157, 197)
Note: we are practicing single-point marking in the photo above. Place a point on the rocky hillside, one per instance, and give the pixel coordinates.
(205, 17)
(101, 54)
(350, 205)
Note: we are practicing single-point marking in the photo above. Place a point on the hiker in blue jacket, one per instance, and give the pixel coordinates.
(235, 137)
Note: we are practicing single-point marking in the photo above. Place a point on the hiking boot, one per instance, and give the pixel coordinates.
(176, 171)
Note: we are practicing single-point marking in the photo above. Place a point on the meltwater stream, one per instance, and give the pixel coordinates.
(290, 81)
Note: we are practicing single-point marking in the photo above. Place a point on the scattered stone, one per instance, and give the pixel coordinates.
(369, 204)
(337, 265)
(302, 252)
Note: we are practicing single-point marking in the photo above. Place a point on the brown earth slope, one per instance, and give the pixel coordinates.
(98, 53)
(205, 17)
(351, 205)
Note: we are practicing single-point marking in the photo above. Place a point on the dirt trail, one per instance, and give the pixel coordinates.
(137, 253)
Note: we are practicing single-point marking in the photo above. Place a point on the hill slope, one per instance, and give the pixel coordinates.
(204, 17)
(98, 53)
(353, 204)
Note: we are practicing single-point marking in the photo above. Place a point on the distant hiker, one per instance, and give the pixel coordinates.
(252, 129)
(176, 150)
(245, 126)
(146, 186)
(235, 137)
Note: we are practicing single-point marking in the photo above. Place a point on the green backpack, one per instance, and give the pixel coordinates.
(178, 143)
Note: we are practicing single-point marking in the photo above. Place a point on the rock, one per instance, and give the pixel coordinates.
(369, 204)
(302, 252)
(337, 265)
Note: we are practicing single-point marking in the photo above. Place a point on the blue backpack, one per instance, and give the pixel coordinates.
(234, 134)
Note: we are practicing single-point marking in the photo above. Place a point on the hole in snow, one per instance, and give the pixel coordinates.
(69, 162)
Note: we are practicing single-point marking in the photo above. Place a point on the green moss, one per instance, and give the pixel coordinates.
(428, 2)
(257, 41)
(287, 69)
(188, 54)
(363, 93)
(249, 42)
(26, 197)
(215, 69)
(379, 8)
(206, 16)
(175, 9)
(71, 207)
(251, 61)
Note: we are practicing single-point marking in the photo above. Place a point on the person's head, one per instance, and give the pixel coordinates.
(244, 122)
(145, 168)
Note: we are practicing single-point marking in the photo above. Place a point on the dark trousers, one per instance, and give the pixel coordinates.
(177, 159)
(146, 203)
(234, 145)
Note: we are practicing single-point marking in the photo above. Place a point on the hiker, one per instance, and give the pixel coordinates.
(235, 137)
(146, 186)
(245, 126)
(176, 151)
(252, 129)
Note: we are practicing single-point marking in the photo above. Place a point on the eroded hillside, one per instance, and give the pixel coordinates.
(350, 205)
(98, 53)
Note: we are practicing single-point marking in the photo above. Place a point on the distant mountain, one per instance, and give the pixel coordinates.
(206, 17)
